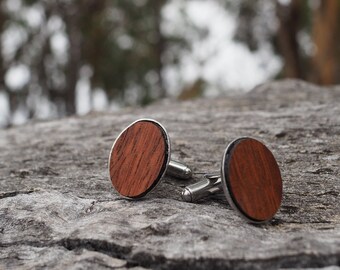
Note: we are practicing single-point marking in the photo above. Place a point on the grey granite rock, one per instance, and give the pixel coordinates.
(58, 210)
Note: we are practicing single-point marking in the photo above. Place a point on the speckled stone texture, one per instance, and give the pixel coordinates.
(59, 211)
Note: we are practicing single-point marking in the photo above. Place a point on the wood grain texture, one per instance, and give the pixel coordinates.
(138, 159)
(253, 179)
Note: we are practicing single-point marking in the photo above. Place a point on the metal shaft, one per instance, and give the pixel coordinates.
(178, 170)
(202, 189)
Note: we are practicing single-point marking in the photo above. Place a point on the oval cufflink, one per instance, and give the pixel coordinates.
(140, 157)
(250, 179)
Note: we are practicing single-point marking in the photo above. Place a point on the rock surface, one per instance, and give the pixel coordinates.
(58, 210)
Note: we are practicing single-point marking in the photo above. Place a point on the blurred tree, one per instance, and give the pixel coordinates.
(290, 23)
(326, 36)
(121, 48)
(3, 19)
(119, 43)
(307, 36)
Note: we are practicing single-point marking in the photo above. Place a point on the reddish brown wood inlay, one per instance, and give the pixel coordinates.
(138, 158)
(254, 180)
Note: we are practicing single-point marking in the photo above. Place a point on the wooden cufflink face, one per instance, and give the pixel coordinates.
(139, 158)
(251, 179)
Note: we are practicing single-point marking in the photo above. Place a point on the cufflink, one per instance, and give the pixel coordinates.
(250, 179)
(140, 157)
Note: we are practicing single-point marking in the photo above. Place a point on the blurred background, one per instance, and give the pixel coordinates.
(65, 57)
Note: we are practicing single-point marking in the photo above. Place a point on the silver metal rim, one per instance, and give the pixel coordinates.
(167, 161)
(225, 186)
